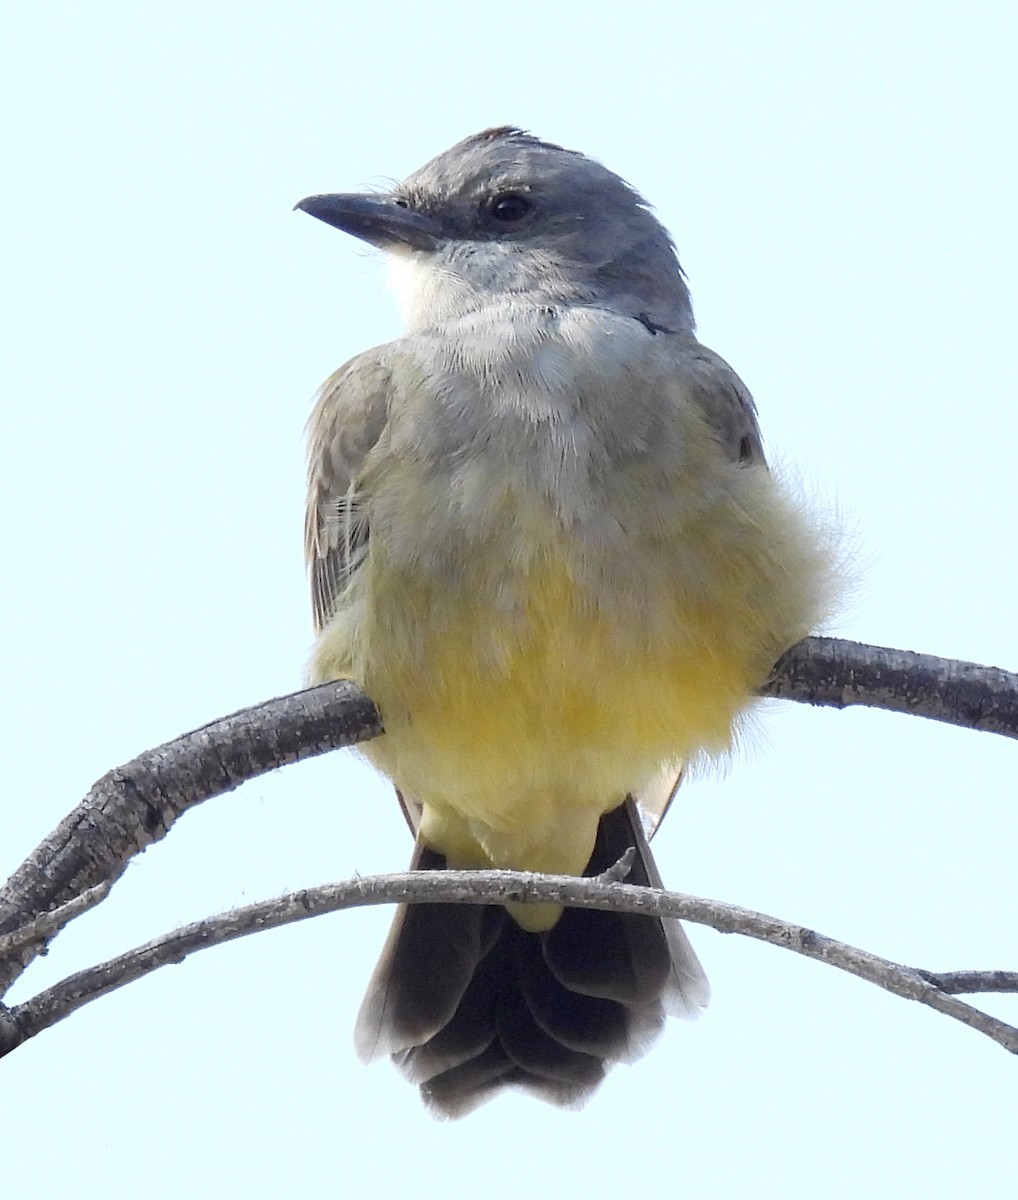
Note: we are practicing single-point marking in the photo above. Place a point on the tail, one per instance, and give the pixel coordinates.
(467, 1003)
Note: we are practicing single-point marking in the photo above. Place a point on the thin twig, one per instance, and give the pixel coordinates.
(472, 887)
(957, 982)
(619, 870)
(48, 923)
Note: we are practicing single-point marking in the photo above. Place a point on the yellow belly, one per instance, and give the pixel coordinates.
(517, 725)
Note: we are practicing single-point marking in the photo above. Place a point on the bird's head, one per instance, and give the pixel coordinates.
(503, 214)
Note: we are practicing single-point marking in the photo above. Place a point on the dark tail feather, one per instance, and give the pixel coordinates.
(429, 960)
(620, 956)
(467, 1002)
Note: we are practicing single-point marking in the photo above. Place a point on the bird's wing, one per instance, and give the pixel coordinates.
(654, 799)
(350, 412)
(725, 401)
(727, 406)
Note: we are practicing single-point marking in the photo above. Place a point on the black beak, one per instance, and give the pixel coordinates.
(380, 220)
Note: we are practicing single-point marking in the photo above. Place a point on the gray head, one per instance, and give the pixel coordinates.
(505, 213)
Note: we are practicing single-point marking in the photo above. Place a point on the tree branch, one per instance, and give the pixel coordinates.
(839, 673)
(499, 887)
(135, 805)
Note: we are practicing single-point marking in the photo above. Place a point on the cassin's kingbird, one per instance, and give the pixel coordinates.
(543, 538)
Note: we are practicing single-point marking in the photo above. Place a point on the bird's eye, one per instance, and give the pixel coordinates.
(508, 207)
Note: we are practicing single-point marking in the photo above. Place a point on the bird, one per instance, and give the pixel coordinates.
(542, 535)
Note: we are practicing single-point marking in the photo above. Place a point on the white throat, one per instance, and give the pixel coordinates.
(439, 286)
(428, 293)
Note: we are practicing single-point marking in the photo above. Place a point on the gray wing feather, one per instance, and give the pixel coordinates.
(725, 402)
(350, 412)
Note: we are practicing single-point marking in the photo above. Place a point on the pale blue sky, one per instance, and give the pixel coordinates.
(840, 181)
